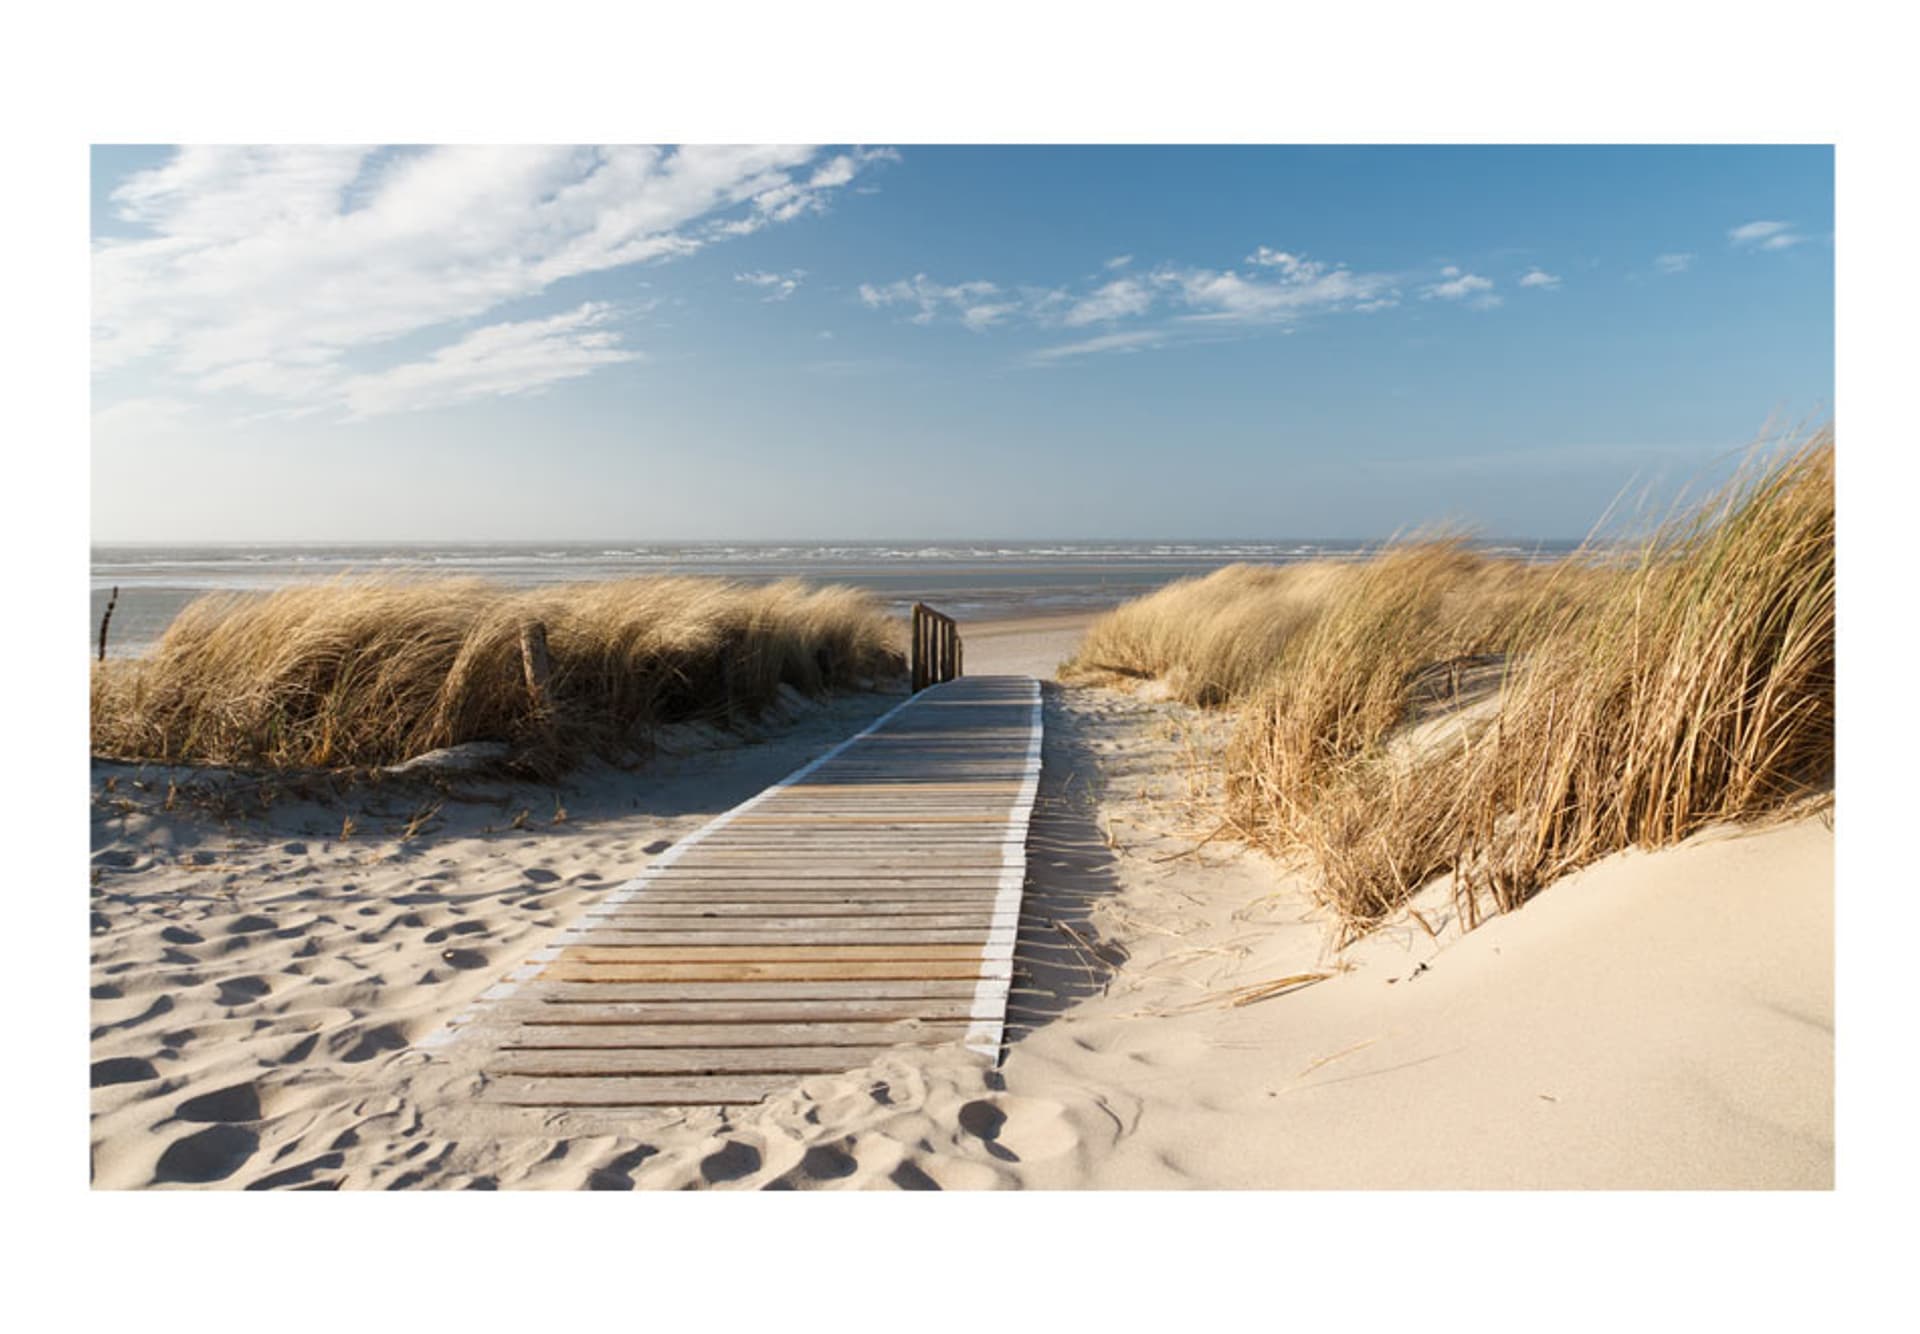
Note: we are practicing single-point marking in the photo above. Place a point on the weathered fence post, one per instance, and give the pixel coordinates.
(536, 664)
(112, 598)
(936, 647)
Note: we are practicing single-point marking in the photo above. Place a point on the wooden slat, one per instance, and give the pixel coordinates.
(864, 906)
(882, 952)
(614, 1063)
(552, 1035)
(761, 1000)
(811, 941)
(924, 970)
(900, 990)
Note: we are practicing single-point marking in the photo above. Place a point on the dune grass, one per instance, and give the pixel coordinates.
(1699, 689)
(367, 672)
(1605, 701)
(1210, 639)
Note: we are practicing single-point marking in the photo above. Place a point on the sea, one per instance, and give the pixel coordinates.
(966, 580)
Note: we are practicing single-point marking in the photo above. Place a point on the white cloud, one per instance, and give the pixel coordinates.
(778, 286)
(929, 298)
(988, 314)
(1118, 262)
(1764, 235)
(1673, 263)
(520, 357)
(1537, 277)
(1297, 287)
(1131, 340)
(1279, 288)
(1116, 300)
(265, 269)
(1458, 286)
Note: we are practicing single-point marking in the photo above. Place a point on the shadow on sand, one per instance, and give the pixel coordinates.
(1058, 958)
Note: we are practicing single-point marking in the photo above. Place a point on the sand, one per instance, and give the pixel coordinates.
(1658, 1020)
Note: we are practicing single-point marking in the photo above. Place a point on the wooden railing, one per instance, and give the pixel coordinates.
(937, 652)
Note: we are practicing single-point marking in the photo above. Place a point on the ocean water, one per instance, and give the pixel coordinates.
(967, 580)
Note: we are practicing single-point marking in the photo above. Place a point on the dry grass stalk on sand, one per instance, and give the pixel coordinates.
(1631, 703)
(367, 672)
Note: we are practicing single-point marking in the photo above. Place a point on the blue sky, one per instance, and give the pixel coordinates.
(351, 344)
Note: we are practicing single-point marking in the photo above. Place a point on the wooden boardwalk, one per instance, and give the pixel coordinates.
(869, 900)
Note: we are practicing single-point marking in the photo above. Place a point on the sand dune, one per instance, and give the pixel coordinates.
(1659, 1020)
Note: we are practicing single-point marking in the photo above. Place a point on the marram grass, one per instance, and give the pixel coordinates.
(368, 672)
(1628, 702)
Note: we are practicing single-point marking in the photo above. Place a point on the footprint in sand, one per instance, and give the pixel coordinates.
(179, 935)
(464, 959)
(1014, 1129)
(618, 1173)
(122, 1070)
(908, 1176)
(388, 1037)
(237, 1102)
(732, 1161)
(824, 1162)
(300, 1174)
(162, 1004)
(213, 1154)
(237, 991)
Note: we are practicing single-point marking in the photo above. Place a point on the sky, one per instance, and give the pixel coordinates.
(887, 342)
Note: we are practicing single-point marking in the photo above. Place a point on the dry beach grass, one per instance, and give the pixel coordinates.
(366, 672)
(1631, 701)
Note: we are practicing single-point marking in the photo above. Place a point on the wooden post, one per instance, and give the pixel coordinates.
(919, 648)
(536, 664)
(937, 647)
(112, 598)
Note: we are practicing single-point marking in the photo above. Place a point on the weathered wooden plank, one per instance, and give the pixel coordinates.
(811, 940)
(776, 989)
(692, 879)
(557, 1035)
(617, 1063)
(880, 952)
(756, 917)
(804, 903)
(919, 970)
(767, 1004)
(865, 904)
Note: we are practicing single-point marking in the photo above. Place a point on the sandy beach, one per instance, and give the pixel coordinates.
(1657, 1020)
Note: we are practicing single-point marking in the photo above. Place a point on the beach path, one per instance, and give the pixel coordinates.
(868, 900)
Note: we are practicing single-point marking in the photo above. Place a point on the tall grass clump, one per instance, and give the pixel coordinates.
(1212, 640)
(1639, 700)
(368, 672)
(1700, 689)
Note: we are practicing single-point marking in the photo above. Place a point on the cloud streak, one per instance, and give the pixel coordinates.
(271, 271)
(1277, 287)
(1454, 285)
(519, 357)
(1764, 235)
(777, 286)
